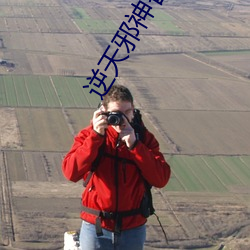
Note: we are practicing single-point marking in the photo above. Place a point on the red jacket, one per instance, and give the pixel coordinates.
(101, 192)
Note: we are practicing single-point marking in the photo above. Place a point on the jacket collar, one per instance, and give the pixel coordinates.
(111, 132)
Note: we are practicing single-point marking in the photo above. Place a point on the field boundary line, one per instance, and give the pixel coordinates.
(86, 95)
(158, 128)
(25, 83)
(40, 83)
(217, 67)
(25, 166)
(65, 115)
(15, 90)
(205, 110)
(7, 207)
(5, 93)
(69, 123)
(182, 184)
(214, 172)
(248, 166)
(232, 171)
(174, 213)
(70, 91)
(53, 85)
(171, 154)
(197, 177)
(79, 29)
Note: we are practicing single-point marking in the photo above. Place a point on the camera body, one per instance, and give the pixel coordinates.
(114, 118)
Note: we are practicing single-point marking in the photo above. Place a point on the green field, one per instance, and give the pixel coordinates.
(226, 53)
(208, 173)
(46, 91)
(164, 21)
(97, 26)
(87, 23)
(168, 26)
(160, 15)
(79, 13)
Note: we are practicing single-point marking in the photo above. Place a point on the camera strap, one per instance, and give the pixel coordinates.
(95, 164)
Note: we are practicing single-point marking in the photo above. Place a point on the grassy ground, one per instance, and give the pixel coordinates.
(209, 173)
(46, 91)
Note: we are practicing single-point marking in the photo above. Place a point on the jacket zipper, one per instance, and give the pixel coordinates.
(116, 166)
(124, 171)
(116, 177)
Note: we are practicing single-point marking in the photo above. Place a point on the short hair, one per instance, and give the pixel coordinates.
(117, 93)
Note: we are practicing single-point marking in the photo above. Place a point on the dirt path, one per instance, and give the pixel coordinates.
(9, 135)
(7, 227)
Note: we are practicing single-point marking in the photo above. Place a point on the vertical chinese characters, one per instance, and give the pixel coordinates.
(126, 35)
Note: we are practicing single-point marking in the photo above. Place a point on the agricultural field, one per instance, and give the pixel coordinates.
(216, 132)
(220, 24)
(45, 91)
(209, 173)
(236, 59)
(39, 40)
(189, 74)
(52, 54)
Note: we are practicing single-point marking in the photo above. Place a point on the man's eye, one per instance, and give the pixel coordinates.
(128, 112)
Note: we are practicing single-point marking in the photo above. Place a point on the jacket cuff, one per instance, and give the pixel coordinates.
(98, 133)
(134, 145)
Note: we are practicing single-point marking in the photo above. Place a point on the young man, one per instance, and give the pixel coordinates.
(112, 199)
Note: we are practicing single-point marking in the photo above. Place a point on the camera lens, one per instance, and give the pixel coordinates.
(114, 119)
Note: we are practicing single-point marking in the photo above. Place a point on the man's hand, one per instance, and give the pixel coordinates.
(100, 122)
(127, 133)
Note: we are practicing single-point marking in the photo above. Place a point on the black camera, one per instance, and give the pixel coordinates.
(114, 118)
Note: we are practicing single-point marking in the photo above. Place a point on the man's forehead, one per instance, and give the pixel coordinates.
(120, 105)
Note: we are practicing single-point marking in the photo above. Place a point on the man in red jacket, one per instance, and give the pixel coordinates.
(113, 197)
